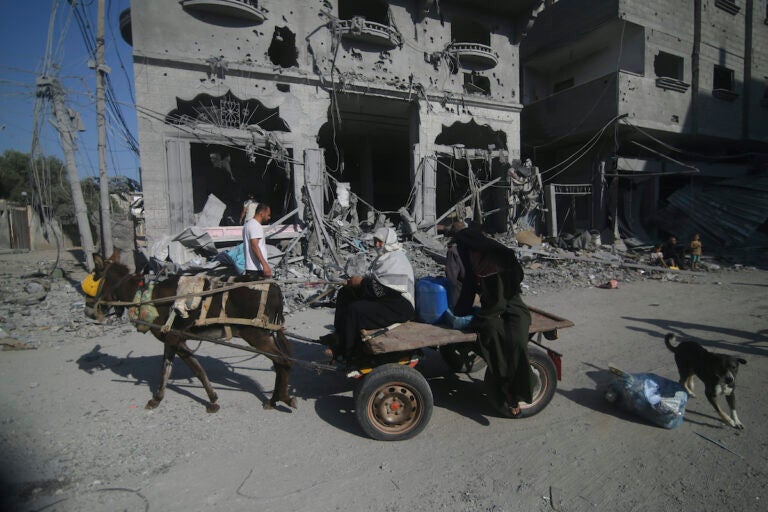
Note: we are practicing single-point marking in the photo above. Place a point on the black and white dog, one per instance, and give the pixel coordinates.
(717, 371)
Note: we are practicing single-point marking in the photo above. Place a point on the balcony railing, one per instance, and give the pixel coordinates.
(474, 53)
(243, 9)
(673, 84)
(724, 94)
(360, 29)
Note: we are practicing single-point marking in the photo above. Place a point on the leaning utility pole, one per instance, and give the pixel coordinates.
(50, 87)
(104, 202)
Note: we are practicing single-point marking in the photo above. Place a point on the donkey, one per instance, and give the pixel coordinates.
(117, 284)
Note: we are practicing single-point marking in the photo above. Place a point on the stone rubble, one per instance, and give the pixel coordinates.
(36, 309)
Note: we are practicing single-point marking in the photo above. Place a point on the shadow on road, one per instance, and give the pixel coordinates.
(146, 370)
(684, 330)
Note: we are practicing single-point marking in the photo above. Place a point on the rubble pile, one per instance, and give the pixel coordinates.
(37, 308)
(547, 268)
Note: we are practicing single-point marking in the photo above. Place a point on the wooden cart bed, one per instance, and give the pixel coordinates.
(415, 335)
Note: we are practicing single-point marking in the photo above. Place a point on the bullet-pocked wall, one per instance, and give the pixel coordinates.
(371, 83)
(650, 94)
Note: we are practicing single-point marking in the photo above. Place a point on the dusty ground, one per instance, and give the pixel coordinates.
(74, 435)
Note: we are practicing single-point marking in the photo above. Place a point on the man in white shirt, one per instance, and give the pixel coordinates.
(255, 243)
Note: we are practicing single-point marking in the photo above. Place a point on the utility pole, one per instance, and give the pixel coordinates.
(50, 87)
(104, 202)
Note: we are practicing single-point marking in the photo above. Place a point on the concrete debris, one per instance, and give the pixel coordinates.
(55, 314)
(35, 310)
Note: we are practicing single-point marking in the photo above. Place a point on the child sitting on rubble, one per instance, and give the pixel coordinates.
(657, 257)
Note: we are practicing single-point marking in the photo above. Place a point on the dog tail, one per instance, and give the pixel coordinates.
(668, 339)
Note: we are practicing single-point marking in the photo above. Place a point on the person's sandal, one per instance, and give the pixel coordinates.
(515, 412)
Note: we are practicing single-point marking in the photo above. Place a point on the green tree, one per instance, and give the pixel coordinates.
(14, 175)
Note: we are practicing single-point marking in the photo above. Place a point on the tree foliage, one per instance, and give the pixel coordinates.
(16, 176)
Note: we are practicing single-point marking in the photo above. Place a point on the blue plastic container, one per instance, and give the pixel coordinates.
(431, 299)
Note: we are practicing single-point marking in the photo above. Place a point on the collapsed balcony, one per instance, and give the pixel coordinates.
(243, 9)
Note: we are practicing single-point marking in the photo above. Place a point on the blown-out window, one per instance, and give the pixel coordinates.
(722, 78)
(668, 66)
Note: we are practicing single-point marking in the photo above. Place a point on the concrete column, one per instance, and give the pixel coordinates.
(429, 191)
(313, 176)
(180, 203)
(366, 170)
(551, 203)
(300, 148)
(599, 214)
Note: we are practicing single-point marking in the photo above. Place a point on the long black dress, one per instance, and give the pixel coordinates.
(503, 320)
(368, 306)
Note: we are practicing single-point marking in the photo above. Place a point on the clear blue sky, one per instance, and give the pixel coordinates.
(23, 36)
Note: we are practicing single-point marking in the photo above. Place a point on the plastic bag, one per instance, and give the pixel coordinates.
(657, 399)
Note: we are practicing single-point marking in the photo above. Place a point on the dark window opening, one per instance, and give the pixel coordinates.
(282, 52)
(468, 31)
(562, 85)
(371, 10)
(230, 174)
(723, 79)
(477, 84)
(369, 149)
(452, 183)
(668, 65)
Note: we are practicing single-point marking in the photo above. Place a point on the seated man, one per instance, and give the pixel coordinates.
(671, 252)
(384, 296)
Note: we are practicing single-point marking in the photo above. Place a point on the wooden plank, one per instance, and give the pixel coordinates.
(414, 335)
(541, 321)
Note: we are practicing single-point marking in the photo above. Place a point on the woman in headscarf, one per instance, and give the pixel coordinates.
(502, 323)
(382, 297)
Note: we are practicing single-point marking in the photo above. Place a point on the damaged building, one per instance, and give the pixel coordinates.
(651, 118)
(414, 105)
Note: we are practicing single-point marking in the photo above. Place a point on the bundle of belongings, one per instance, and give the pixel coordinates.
(660, 401)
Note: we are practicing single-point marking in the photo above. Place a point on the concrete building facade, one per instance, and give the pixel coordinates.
(632, 109)
(411, 102)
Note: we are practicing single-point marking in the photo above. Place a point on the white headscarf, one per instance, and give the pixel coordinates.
(392, 268)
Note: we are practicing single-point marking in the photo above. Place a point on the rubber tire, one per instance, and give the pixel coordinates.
(462, 358)
(542, 366)
(393, 384)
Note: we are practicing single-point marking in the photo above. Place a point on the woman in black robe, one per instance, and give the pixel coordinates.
(502, 323)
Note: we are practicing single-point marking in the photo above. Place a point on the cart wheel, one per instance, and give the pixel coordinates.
(462, 358)
(393, 402)
(545, 383)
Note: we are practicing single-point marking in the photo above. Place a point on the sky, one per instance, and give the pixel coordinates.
(23, 35)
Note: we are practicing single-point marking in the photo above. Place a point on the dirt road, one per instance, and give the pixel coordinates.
(74, 434)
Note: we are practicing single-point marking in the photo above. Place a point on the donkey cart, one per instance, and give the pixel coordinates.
(393, 400)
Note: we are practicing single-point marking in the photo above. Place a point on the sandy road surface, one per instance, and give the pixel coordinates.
(74, 435)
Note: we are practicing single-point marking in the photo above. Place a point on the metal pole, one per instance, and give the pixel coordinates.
(104, 202)
(52, 88)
